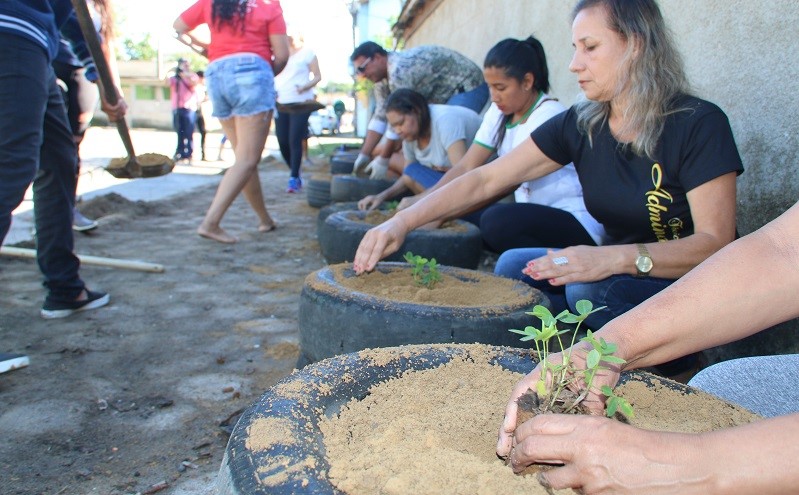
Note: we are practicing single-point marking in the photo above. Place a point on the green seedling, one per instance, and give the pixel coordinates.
(563, 375)
(424, 271)
(391, 205)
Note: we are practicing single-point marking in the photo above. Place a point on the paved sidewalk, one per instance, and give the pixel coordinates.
(103, 143)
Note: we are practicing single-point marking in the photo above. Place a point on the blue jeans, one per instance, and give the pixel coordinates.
(183, 122)
(36, 145)
(474, 99)
(620, 293)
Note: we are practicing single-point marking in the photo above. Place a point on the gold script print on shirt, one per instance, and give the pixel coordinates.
(657, 202)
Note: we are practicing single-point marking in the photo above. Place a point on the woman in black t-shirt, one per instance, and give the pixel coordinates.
(657, 167)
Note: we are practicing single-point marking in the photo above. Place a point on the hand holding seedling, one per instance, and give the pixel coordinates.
(587, 367)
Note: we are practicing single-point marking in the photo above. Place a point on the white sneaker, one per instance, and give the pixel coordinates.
(82, 224)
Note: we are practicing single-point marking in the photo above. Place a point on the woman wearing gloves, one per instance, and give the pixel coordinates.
(434, 137)
(549, 211)
(457, 81)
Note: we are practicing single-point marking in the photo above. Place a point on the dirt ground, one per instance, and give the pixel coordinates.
(133, 398)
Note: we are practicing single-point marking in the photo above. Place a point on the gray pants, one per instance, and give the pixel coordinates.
(766, 385)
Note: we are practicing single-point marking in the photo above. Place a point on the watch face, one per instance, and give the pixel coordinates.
(643, 264)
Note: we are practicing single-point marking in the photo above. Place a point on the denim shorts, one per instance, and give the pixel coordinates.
(422, 175)
(240, 85)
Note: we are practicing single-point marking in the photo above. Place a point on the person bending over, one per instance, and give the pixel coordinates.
(657, 164)
(434, 137)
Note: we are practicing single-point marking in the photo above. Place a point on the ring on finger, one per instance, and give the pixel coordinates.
(560, 260)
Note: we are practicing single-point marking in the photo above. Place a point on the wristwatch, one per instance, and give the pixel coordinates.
(643, 263)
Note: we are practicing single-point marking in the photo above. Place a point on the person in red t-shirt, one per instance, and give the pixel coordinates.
(248, 48)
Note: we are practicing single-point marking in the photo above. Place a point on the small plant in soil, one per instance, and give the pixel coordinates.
(425, 272)
(563, 376)
(568, 386)
(391, 205)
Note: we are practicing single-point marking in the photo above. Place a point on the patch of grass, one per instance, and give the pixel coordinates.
(327, 145)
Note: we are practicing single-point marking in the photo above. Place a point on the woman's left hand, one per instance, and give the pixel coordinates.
(572, 264)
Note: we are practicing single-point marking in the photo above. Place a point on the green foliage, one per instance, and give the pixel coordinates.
(565, 374)
(391, 206)
(424, 271)
(337, 87)
(141, 49)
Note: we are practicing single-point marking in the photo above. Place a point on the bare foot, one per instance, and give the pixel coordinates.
(217, 234)
(267, 227)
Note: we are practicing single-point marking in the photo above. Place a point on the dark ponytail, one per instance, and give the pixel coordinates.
(230, 12)
(518, 58)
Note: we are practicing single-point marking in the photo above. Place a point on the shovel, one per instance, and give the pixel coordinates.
(147, 165)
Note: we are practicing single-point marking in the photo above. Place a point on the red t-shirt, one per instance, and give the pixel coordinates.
(264, 17)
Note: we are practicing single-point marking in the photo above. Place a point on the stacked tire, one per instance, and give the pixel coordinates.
(458, 246)
(317, 190)
(343, 162)
(347, 187)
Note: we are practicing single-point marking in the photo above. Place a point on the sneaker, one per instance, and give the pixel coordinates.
(9, 362)
(295, 185)
(57, 309)
(82, 224)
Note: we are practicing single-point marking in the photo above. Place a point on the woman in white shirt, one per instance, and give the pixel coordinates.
(434, 137)
(295, 85)
(548, 211)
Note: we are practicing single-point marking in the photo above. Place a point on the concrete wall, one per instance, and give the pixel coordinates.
(738, 54)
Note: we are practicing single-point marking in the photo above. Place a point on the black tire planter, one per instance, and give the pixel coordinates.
(460, 246)
(336, 320)
(317, 191)
(342, 162)
(331, 208)
(347, 187)
(298, 465)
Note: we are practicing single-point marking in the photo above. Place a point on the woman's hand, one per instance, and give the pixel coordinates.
(409, 201)
(595, 401)
(575, 264)
(370, 202)
(378, 243)
(604, 456)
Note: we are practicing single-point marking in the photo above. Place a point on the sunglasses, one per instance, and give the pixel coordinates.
(362, 68)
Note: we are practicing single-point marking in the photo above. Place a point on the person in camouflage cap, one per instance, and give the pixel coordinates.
(439, 74)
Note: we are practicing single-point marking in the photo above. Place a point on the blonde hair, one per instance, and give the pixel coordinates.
(655, 77)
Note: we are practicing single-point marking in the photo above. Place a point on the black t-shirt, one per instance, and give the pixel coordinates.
(641, 199)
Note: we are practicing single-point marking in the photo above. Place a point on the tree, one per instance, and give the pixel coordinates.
(139, 50)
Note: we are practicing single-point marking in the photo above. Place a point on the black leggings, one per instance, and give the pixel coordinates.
(199, 124)
(507, 226)
(291, 130)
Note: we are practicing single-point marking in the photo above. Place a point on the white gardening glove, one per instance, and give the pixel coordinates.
(378, 168)
(360, 162)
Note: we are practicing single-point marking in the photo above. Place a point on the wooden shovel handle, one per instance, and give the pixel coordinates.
(106, 81)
